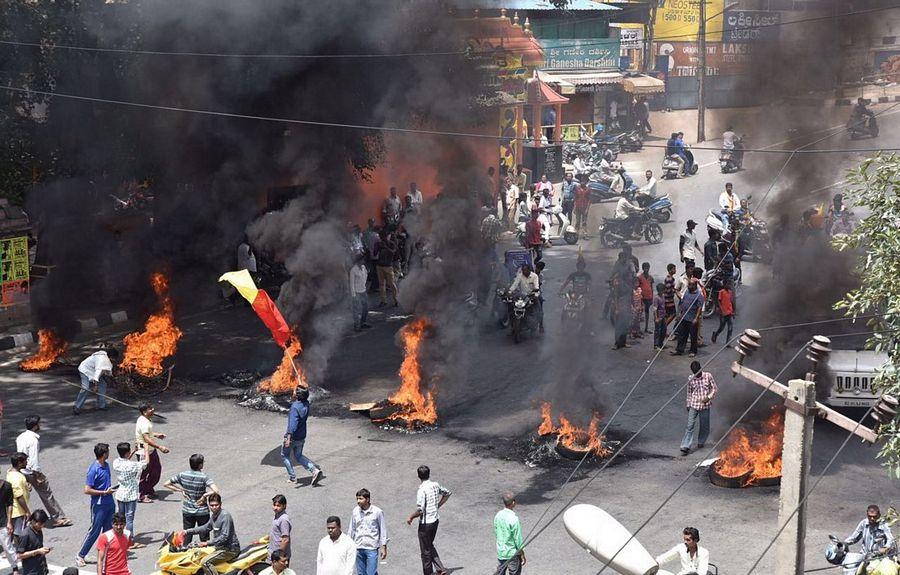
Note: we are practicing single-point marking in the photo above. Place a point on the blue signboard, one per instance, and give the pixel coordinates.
(750, 26)
(584, 54)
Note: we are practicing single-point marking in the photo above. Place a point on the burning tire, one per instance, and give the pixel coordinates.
(574, 452)
(720, 480)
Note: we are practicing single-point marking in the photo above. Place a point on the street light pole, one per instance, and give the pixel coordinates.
(701, 75)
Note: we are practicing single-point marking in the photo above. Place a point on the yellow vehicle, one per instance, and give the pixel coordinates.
(176, 559)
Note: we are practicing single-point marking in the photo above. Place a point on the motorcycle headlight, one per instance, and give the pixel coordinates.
(520, 303)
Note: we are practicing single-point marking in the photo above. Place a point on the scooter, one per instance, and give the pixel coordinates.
(862, 128)
(614, 233)
(731, 161)
(670, 167)
(600, 190)
(660, 207)
(177, 559)
(565, 229)
(838, 553)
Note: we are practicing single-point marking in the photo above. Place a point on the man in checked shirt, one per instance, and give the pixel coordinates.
(429, 498)
(701, 389)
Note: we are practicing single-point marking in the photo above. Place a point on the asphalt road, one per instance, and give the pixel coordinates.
(487, 419)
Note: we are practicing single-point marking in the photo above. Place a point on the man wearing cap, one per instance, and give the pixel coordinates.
(687, 244)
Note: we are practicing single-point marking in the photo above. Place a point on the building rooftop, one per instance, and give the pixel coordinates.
(576, 5)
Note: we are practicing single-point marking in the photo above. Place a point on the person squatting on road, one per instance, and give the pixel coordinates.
(127, 475)
(195, 487)
(337, 552)
(694, 559)
(95, 371)
(29, 443)
(295, 437)
(701, 389)
(369, 532)
(145, 438)
(98, 485)
(225, 539)
(429, 498)
(508, 533)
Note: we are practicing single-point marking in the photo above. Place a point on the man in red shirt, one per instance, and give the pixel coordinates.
(533, 238)
(582, 205)
(112, 549)
(726, 312)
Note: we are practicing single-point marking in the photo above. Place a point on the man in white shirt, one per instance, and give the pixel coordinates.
(693, 558)
(93, 371)
(650, 187)
(279, 565)
(359, 294)
(368, 530)
(512, 200)
(617, 186)
(29, 443)
(526, 281)
(146, 439)
(728, 138)
(580, 166)
(337, 552)
(688, 247)
(728, 200)
(429, 498)
(415, 197)
(624, 208)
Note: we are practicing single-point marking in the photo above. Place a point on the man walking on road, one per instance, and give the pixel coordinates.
(701, 389)
(21, 493)
(28, 442)
(195, 486)
(369, 532)
(429, 498)
(337, 552)
(295, 437)
(508, 532)
(689, 315)
(99, 486)
(688, 247)
(145, 438)
(128, 473)
(94, 371)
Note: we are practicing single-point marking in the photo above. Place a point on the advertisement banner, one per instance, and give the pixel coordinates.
(722, 58)
(13, 271)
(679, 20)
(586, 54)
(751, 26)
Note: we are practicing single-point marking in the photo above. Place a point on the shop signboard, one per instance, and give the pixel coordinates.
(586, 54)
(722, 58)
(13, 271)
(631, 38)
(679, 20)
(751, 26)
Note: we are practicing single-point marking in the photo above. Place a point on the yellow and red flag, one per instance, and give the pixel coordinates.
(262, 304)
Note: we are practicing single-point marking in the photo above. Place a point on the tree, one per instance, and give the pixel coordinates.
(873, 186)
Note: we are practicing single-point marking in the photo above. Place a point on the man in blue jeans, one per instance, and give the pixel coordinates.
(94, 371)
(99, 486)
(701, 389)
(295, 437)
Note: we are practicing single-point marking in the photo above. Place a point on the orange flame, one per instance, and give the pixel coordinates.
(755, 451)
(574, 437)
(146, 350)
(416, 407)
(284, 380)
(50, 348)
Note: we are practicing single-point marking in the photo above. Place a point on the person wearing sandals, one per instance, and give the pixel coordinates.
(127, 473)
(28, 442)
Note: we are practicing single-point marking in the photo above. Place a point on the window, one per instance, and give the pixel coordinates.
(865, 383)
(856, 382)
(840, 382)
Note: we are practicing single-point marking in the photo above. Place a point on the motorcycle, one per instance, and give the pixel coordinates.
(177, 559)
(521, 315)
(600, 190)
(500, 308)
(614, 233)
(731, 161)
(838, 553)
(670, 167)
(574, 307)
(862, 128)
(565, 229)
(630, 141)
(660, 206)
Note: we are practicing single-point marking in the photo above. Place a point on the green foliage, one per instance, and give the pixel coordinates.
(873, 187)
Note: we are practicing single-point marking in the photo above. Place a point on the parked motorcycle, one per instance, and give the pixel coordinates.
(670, 167)
(660, 207)
(177, 559)
(615, 233)
(631, 141)
(521, 315)
(731, 161)
(862, 128)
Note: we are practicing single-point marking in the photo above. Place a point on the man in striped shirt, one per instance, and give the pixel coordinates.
(194, 486)
(701, 389)
(429, 498)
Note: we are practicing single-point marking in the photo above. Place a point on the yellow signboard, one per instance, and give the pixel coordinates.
(679, 21)
(13, 271)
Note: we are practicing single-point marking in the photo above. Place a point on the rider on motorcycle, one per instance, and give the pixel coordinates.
(874, 533)
(627, 213)
(224, 538)
(580, 280)
(729, 202)
(580, 166)
(672, 152)
(860, 112)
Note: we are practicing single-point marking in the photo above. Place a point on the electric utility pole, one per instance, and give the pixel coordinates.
(701, 75)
